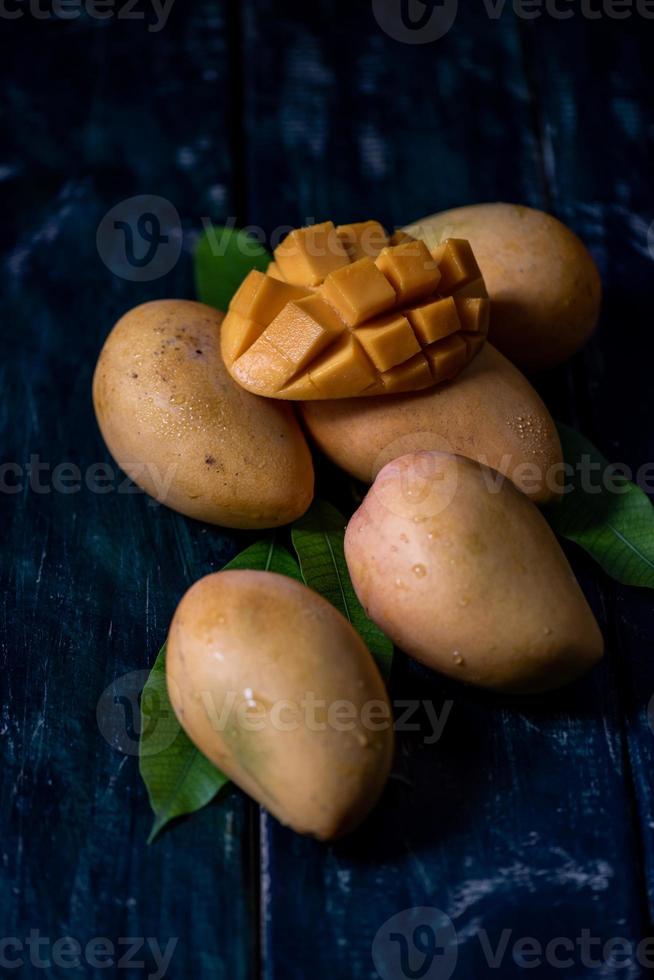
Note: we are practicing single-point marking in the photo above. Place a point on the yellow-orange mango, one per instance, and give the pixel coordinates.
(544, 287)
(490, 413)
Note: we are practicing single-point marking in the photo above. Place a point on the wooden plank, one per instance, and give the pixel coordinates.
(520, 817)
(338, 114)
(90, 581)
(601, 185)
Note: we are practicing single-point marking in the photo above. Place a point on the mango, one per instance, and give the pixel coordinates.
(544, 286)
(278, 690)
(465, 575)
(175, 421)
(490, 413)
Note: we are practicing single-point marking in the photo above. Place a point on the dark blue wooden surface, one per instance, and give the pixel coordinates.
(530, 815)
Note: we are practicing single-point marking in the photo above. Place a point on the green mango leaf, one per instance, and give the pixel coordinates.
(223, 257)
(179, 779)
(267, 556)
(318, 541)
(607, 515)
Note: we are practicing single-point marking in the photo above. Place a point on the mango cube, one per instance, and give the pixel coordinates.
(474, 313)
(241, 334)
(447, 357)
(362, 238)
(298, 334)
(358, 291)
(308, 255)
(388, 340)
(273, 270)
(433, 321)
(261, 297)
(411, 376)
(263, 367)
(410, 269)
(342, 370)
(304, 328)
(456, 263)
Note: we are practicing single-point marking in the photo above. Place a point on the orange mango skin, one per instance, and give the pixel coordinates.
(468, 577)
(490, 413)
(252, 636)
(187, 434)
(544, 286)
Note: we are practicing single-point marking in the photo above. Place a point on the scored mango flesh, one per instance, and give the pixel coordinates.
(349, 311)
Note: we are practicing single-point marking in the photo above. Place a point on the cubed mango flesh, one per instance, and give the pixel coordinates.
(362, 238)
(388, 340)
(435, 320)
(410, 269)
(261, 297)
(358, 291)
(457, 264)
(474, 313)
(343, 369)
(347, 311)
(447, 357)
(308, 255)
(413, 375)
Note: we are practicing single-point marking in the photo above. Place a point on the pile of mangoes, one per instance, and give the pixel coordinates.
(376, 347)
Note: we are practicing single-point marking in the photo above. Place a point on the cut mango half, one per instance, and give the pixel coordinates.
(346, 311)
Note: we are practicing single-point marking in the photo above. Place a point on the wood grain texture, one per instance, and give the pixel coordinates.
(535, 815)
(90, 581)
(599, 185)
(522, 816)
